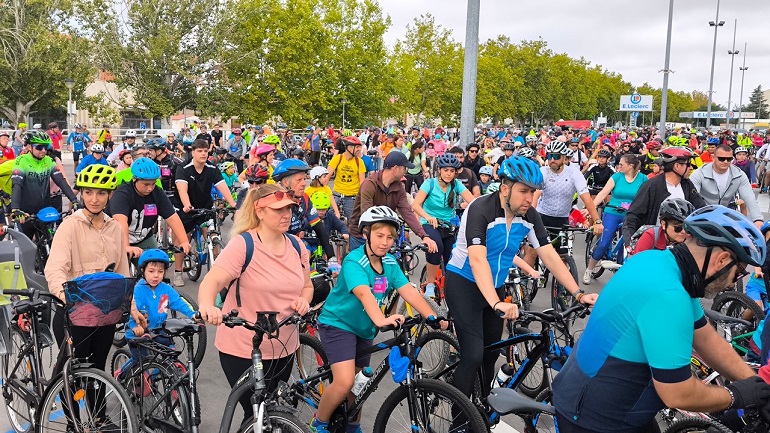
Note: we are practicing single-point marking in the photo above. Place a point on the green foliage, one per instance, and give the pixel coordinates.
(757, 103)
(100, 110)
(40, 51)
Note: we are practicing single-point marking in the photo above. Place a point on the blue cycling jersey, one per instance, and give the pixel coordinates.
(483, 223)
(637, 332)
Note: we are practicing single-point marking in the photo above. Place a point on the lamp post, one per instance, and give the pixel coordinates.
(732, 54)
(743, 70)
(666, 71)
(69, 83)
(716, 24)
(344, 101)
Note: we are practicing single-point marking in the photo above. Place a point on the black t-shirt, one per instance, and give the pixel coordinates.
(597, 177)
(468, 178)
(168, 167)
(142, 212)
(216, 136)
(204, 136)
(198, 185)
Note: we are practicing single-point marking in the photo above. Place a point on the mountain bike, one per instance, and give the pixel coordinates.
(561, 298)
(614, 257)
(204, 248)
(78, 397)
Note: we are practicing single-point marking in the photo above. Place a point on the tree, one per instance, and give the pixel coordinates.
(40, 51)
(161, 50)
(757, 103)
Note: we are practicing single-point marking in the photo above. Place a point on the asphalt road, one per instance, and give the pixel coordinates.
(213, 388)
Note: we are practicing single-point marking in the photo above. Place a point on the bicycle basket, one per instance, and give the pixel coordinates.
(98, 299)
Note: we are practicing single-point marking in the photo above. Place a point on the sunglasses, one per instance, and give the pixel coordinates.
(677, 227)
(473, 151)
(41, 147)
(725, 158)
(554, 156)
(279, 195)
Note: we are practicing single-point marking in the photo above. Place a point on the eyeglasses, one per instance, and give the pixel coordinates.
(554, 156)
(725, 158)
(677, 227)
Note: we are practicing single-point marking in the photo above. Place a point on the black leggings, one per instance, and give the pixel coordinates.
(477, 326)
(276, 370)
(566, 426)
(413, 179)
(90, 343)
(445, 242)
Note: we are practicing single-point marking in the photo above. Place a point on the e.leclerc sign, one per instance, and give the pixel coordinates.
(636, 102)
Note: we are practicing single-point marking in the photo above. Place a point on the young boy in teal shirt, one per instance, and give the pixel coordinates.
(352, 312)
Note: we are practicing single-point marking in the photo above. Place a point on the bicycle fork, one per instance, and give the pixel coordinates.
(257, 398)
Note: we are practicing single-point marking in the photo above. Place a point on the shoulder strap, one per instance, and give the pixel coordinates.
(249, 253)
(295, 244)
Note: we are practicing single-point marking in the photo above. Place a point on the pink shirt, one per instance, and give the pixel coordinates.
(271, 282)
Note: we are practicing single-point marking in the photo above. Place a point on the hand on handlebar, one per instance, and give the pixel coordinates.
(392, 320)
(300, 305)
(211, 314)
(589, 298)
(431, 244)
(137, 330)
(185, 246)
(19, 216)
(507, 310)
(134, 252)
(187, 209)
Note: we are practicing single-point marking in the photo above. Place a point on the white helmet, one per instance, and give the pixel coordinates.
(97, 148)
(493, 187)
(556, 146)
(317, 172)
(570, 153)
(130, 134)
(37, 126)
(378, 214)
(78, 126)
(486, 170)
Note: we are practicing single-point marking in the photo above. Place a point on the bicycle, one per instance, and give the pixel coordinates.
(46, 222)
(614, 257)
(440, 274)
(561, 299)
(204, 248)
(340, 245)
(81, 393)
(162, 389)
(432, 405)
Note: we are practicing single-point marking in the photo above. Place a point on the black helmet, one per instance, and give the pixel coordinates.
(604, 153)
(675, 209)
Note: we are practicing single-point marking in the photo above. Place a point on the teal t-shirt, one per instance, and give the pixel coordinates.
(342, 309)
(624, 192)
(436, 204)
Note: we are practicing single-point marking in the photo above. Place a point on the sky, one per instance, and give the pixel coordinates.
(623, 36)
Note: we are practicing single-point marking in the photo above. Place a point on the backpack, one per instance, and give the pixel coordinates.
(249, 253)
(638, 234)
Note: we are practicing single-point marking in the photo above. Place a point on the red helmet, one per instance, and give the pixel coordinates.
(351, 141)
(653, 145)
(257, 174)
(236, 131)
(675, 153)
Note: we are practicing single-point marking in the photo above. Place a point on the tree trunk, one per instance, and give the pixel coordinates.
(21, 112)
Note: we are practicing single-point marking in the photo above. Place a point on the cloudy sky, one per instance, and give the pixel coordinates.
(628, 37)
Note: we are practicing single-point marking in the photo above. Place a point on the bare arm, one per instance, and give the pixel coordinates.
(719, 354)
(693, 395)
(604, 192)
(417, 205)
(181, 191)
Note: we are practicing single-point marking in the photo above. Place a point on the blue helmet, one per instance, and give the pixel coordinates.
(156, 143)
(765, 227)
(154, 255)
(522, 170)
(712, 140)
(717, 225)
(145, 169)
(447, 160)
(487, 169)
(288, 167)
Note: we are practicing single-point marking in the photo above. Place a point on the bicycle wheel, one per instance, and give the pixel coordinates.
(598, 271)
(308, 361)
(118, 360)
(278, 421)
(534, 382)
(406, 310)
(740, 305)
(119, 339)
(543, 422)
(195, 263)
(561, 298)
(199, 339)
(696, 425)
(150, 385)
(437, 350)
(439, 407)
(590, 241)
(20, 415)
(216, 247)
(100, 404)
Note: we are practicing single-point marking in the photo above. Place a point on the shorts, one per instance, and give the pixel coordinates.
(190, 220)
(553, 226)
(341, 345)
(755, 289)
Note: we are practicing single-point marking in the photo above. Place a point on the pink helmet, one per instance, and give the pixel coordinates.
(263, 150)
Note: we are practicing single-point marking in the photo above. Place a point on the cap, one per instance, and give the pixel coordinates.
(397, 159)
(273, 201)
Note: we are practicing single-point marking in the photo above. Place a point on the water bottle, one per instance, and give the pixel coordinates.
(505, 373)
(362, 378)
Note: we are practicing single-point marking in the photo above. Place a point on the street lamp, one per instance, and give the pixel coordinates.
(743, 70)
(732, 54)
(69, 83)
(716, 24)
(344, 101)
(666, 71)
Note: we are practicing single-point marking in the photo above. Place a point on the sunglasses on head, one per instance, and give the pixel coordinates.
(554, 156)
(280, 195)
(725, 158)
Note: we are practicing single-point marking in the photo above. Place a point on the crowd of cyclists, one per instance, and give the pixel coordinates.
(680, 202)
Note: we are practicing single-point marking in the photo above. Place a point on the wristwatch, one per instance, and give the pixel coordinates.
(598, 222)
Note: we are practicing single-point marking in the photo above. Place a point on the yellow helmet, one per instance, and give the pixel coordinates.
(97, 176)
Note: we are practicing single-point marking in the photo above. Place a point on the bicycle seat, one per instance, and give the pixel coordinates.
(506, 400)
(182, 326)
(716, 316)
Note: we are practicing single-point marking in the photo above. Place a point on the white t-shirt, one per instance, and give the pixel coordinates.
(558, 190)
(675, 191)
(723, 180)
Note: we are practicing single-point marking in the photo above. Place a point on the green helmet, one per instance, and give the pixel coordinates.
(271, 139)
(321, 200)
(37, 138)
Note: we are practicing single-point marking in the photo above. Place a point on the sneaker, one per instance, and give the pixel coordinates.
(587, 275)
(354, 427)
(178, 281)
(430, 290)
(318, 426)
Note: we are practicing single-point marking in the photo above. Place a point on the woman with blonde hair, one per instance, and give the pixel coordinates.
(277, 278)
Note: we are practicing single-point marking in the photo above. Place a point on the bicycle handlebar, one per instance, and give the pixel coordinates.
(32, 294)
(550, 315)
(408, 248)
(432, 321)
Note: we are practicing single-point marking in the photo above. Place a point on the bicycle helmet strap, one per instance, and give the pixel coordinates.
(693, 279)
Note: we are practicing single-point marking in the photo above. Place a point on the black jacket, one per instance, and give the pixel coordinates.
(645, 206)
(474, 165)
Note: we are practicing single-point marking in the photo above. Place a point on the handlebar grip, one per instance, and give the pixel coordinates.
(20, 292)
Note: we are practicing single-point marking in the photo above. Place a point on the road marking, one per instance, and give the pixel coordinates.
(502, 427)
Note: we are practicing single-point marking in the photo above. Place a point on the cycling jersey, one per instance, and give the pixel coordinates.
(78, 141)
(638, 332)
(559, 189)
(597, 176)
(90, 160)
(142, 211)
(302, 214)
(31, 180)
(483, 223)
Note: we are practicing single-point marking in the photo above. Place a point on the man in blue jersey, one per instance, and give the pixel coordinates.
(634, 357)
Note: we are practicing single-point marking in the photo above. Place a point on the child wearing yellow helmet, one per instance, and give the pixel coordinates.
(322, 202)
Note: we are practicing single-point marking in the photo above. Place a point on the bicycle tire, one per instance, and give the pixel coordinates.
(561, 298)
(733, 304)
(308, 361)
(196, 268)
(119, 338)
(20, 415)
(542, 422)
(147, 382)
(589, 239)
(693, 425)
(436, 357)
(535, 381)
(199, 340)
(278, 420)
(118, 360)
(598, 271)
(428, 391)
(215, 244)
(122, 414)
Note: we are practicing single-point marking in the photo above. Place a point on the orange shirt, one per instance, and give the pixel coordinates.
(706, 157)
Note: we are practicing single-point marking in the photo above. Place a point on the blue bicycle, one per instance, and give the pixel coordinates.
(614, 257)
(204, 248)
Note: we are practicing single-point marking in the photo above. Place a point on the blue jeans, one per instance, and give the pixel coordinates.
(611, 224)
(16, 150)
